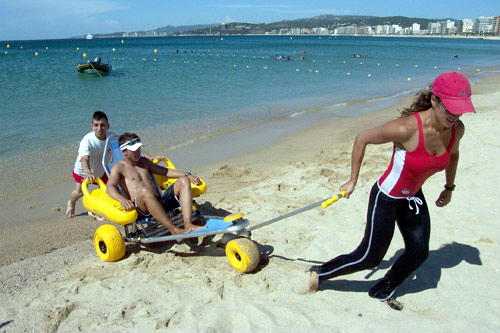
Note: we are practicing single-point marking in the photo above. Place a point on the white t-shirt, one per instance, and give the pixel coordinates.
(94, 148)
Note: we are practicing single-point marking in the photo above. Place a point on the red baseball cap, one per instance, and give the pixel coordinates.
(454, 91)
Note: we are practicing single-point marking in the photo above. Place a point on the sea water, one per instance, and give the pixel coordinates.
(176, 90)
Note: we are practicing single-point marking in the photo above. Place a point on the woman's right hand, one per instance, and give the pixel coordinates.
(348, 188)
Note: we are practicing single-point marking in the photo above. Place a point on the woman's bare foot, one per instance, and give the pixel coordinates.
(313, 282)
(70, 209)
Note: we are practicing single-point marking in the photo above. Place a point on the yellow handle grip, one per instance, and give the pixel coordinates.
(168, 163)
(85, 184)
(330, 201)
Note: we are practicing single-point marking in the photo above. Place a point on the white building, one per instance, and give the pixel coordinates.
(447, 27)
(465, 26)
(339, 31)
(483, 25)
(364, 30)
(386, 30)
(415, 28)
(396, 29)
(351, 30)
(434, 28)
(320, 31)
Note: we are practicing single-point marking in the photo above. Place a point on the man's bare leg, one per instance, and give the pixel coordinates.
(75, 195)
(182, 190)
(149, 202)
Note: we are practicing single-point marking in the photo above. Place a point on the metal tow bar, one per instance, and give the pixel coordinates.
(324, 203)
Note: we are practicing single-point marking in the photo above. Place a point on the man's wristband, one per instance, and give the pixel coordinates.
(187, 173)
(449, 188)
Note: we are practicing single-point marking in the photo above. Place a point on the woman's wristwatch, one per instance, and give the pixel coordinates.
(449, 188)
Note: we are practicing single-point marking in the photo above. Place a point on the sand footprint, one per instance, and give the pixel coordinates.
(164, 323)
(57, 316)
(143, 260)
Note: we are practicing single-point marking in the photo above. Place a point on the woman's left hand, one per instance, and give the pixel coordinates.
(444, 198)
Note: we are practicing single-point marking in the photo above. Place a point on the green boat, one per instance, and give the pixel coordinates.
(94, 67)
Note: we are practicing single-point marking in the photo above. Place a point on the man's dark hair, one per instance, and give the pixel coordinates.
(126, 137)
(99, 115)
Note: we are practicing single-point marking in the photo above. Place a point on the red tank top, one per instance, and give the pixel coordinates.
(408, 171)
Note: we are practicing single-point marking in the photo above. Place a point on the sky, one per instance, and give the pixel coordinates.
(50, 19)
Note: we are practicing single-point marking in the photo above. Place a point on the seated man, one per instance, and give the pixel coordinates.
(133, 174)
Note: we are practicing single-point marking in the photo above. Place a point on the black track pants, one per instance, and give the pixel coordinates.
(412, 217)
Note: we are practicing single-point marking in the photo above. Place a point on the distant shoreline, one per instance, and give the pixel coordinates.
(260, 35)
(440, 36)
(308, 35)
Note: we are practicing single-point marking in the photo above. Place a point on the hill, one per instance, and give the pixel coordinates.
(323, 21)
(163, 31)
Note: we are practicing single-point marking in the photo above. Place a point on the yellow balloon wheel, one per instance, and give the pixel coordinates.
(242, 254)
(109, 243)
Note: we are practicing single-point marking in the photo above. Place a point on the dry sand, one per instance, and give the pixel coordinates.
(52, 280)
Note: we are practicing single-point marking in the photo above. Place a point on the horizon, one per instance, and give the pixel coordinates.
(59, 19)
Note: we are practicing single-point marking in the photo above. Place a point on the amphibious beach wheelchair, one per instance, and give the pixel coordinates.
(242, 253)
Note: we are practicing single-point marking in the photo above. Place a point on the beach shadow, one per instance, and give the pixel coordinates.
(207, 208)
(266, 254)
(194, 245)
(359, 286)
(312, 262)
(157, 248)
(82, 214)
(429, 274)
(210, 248)
(196, 249)
(346, 285)
(5, 323)
(425, 277)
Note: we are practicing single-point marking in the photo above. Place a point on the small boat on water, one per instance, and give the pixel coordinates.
(89, 36)
(94, 67)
